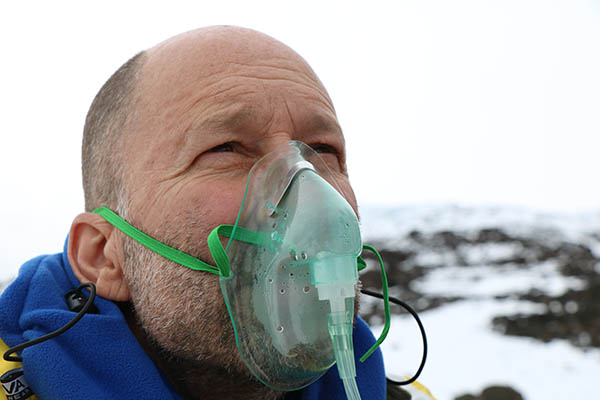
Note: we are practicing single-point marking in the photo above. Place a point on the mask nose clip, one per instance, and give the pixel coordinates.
(292, 172)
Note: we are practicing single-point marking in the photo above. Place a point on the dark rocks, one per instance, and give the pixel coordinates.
(395, 392)
(492, 235)
(574, 316)
(494, 393)
(577, 260)
(448, 239)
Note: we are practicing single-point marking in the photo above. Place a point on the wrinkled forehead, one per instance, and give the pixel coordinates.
(204, 55)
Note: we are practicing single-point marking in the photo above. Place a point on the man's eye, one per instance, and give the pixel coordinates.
(223, 148)
(324, 149)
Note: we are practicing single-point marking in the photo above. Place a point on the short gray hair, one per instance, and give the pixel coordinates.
(101, 161)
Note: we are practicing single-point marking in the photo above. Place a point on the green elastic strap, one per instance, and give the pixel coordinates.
(214, 243)
(386, 303)
(361, 264)
(164, 250)
(218, 251)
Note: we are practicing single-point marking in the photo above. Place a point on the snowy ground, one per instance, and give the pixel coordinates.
(465, 353)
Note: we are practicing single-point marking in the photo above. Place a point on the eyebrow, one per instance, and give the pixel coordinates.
(319, 122)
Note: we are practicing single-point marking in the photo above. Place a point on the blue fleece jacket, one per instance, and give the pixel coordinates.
(99, 358)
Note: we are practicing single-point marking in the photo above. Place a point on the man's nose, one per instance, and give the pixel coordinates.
(275, 140)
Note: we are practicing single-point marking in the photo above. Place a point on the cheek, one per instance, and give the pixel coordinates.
(350, 197)
(216, 203)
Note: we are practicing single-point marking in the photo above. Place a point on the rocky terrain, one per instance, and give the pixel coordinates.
(572, 315)
(556, 275)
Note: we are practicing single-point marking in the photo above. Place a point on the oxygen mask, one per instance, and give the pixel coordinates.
(291, 288)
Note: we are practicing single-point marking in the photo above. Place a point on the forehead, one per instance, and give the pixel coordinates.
(225, 82)
(233, 96)
(212, 88)
(210, 59)
(194, 93)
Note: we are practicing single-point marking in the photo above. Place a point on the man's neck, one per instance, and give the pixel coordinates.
(196, 379)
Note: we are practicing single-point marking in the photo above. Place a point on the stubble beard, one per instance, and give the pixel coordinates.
(185, 322)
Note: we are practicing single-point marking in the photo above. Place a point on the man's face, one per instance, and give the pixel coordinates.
(206, 112)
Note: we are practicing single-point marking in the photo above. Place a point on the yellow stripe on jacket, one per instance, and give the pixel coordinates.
(12, 378)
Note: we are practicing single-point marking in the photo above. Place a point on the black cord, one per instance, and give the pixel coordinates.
(416, 317)
(7, 355)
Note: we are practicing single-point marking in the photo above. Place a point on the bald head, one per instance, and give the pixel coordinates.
(215, 46)
(135, 96)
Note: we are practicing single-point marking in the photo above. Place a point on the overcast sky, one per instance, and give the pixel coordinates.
(470, 102)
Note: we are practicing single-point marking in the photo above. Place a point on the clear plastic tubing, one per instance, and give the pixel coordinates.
(337, 283)
(340, 330)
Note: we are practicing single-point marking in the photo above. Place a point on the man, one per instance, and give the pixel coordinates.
(168, 143)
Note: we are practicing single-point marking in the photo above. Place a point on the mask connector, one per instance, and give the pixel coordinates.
(340, 330)
(335, 278)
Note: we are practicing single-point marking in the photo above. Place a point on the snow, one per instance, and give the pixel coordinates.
(490, 252)
(466, 355)
(485, 280)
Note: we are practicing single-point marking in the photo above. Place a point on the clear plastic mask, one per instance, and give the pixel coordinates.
(300, 268)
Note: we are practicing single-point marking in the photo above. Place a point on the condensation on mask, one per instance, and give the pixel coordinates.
(292, 290)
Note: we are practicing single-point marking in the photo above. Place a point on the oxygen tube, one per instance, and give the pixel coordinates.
(336, 283)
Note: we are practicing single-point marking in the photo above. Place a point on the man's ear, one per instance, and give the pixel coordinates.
(96, 256)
